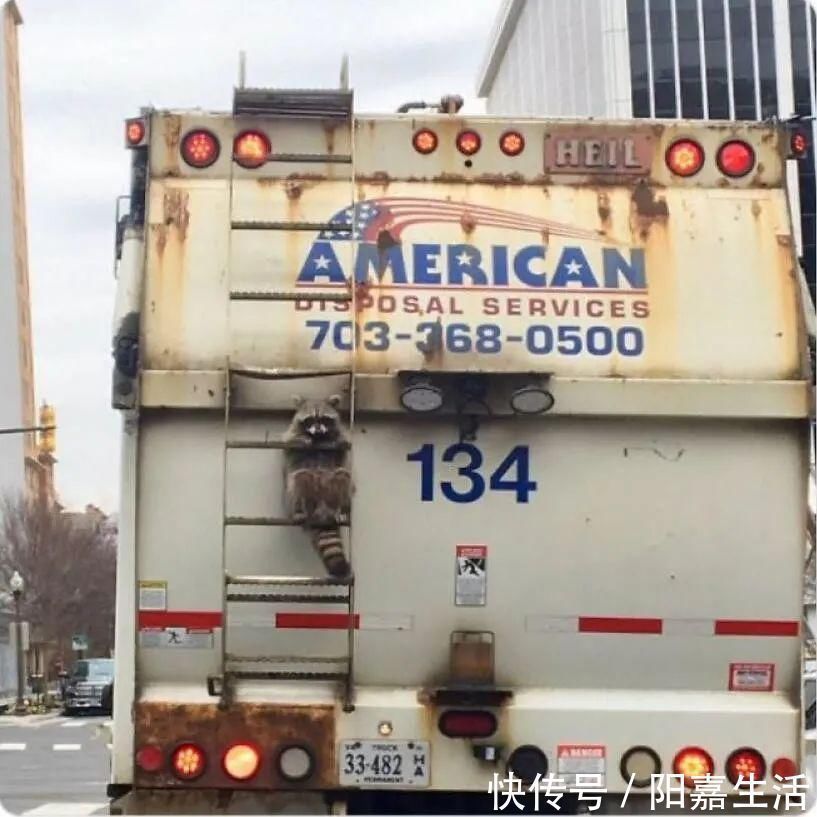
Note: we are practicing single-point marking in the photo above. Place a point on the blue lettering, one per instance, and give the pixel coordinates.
(321, 264)
(499, 254)
(465, 260)
(370, 257)
(521, 265)
(573, 268)
(425, 264)
(634, 272)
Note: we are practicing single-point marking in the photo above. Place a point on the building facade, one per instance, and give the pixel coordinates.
(693, 59)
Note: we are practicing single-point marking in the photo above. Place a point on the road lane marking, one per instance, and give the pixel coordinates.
(67, 747)
(73, 724)
(12, 747)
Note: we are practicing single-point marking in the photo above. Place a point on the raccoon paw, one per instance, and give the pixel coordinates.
(338, 566)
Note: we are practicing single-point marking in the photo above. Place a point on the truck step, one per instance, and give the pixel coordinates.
(283, 675)
(266, 521)
(247, 295)
(287, 598)
(256, 373)
(291, 581)
(287, 659)
(312, 158)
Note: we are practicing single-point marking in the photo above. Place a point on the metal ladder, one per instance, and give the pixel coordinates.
(247, 589)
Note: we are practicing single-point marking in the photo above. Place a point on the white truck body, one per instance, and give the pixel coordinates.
(639, 547)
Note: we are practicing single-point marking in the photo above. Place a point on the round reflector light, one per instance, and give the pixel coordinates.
(295, 763)
(692, 761)
(134, 131)
(799, 144)
(200, 148)
(468, 142)
(745, 763)
(424, 141)
(150, 758)
(511, 143)
(784, 767)
(188, 761)
(639, 764)
(251, 148)
(736, 158)
(467, 723)
(528, 761)
(241, 761)
(685, 157)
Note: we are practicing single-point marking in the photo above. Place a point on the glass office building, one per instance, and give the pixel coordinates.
(695, 59)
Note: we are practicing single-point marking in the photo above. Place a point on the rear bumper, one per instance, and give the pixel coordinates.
(616, 720)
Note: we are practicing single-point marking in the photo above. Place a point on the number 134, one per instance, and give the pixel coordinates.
(512, 474)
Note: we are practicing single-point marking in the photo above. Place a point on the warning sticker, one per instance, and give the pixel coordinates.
(580, 759)
(471, 585)
(751, 677)
(153, 595)
(177, 637)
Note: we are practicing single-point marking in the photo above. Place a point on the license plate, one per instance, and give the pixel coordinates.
(401, 763)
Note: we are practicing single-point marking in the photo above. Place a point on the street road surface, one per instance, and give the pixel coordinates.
(52, 765)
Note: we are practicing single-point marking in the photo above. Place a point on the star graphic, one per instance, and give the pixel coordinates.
(463, 259)
(574, 267)
(321, 262)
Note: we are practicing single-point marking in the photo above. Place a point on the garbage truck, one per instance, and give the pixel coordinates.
(568, 365)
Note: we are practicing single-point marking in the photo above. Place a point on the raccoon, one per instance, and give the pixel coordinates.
(317, 482)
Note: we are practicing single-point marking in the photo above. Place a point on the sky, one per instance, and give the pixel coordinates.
(85, 70)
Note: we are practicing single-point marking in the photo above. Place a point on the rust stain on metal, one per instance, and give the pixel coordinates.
(272, 727)
(756, 208)
(175, 212)
(293, 190)
(647, 205)
(603, 207)
(172, 131)
(468, 223)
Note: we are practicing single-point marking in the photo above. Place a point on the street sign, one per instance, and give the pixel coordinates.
(79, 643)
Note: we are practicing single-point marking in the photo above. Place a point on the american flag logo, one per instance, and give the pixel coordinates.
(367, 219)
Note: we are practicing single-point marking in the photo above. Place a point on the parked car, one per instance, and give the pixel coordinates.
(89, 686)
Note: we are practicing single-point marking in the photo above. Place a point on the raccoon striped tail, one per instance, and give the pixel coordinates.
(329, 545)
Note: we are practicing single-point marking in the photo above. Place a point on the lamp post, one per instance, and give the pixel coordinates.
(17, 585)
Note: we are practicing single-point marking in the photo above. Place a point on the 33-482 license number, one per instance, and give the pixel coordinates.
(403, 764)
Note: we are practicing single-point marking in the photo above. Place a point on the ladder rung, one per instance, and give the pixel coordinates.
(258, 295)
(309, 226)
(288, 659)
(290, 581)
(261, 675)
(287, 598)
(283, 374)
(266, 521)
(281, 444)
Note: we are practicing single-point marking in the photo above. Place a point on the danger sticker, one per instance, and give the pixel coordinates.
(153, 595)
(471, 585)
(744, 677)
(574, 759)
(176, 637)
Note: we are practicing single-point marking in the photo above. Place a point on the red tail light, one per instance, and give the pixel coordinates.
(798, 144)
(150, 758)
(188, 761)
(468, 142)
(736, 158)
(200, 148)
(251, 148)
(466, 723)
(425, 141)
(685, 157)
(241, 761)
(692, 761)
(135, 131)
(745, 763)
(784, 767)
(511, 143)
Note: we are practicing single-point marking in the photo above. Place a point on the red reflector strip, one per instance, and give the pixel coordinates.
(725, 626)
(160, 619)
(315, 621)
(597, 624)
